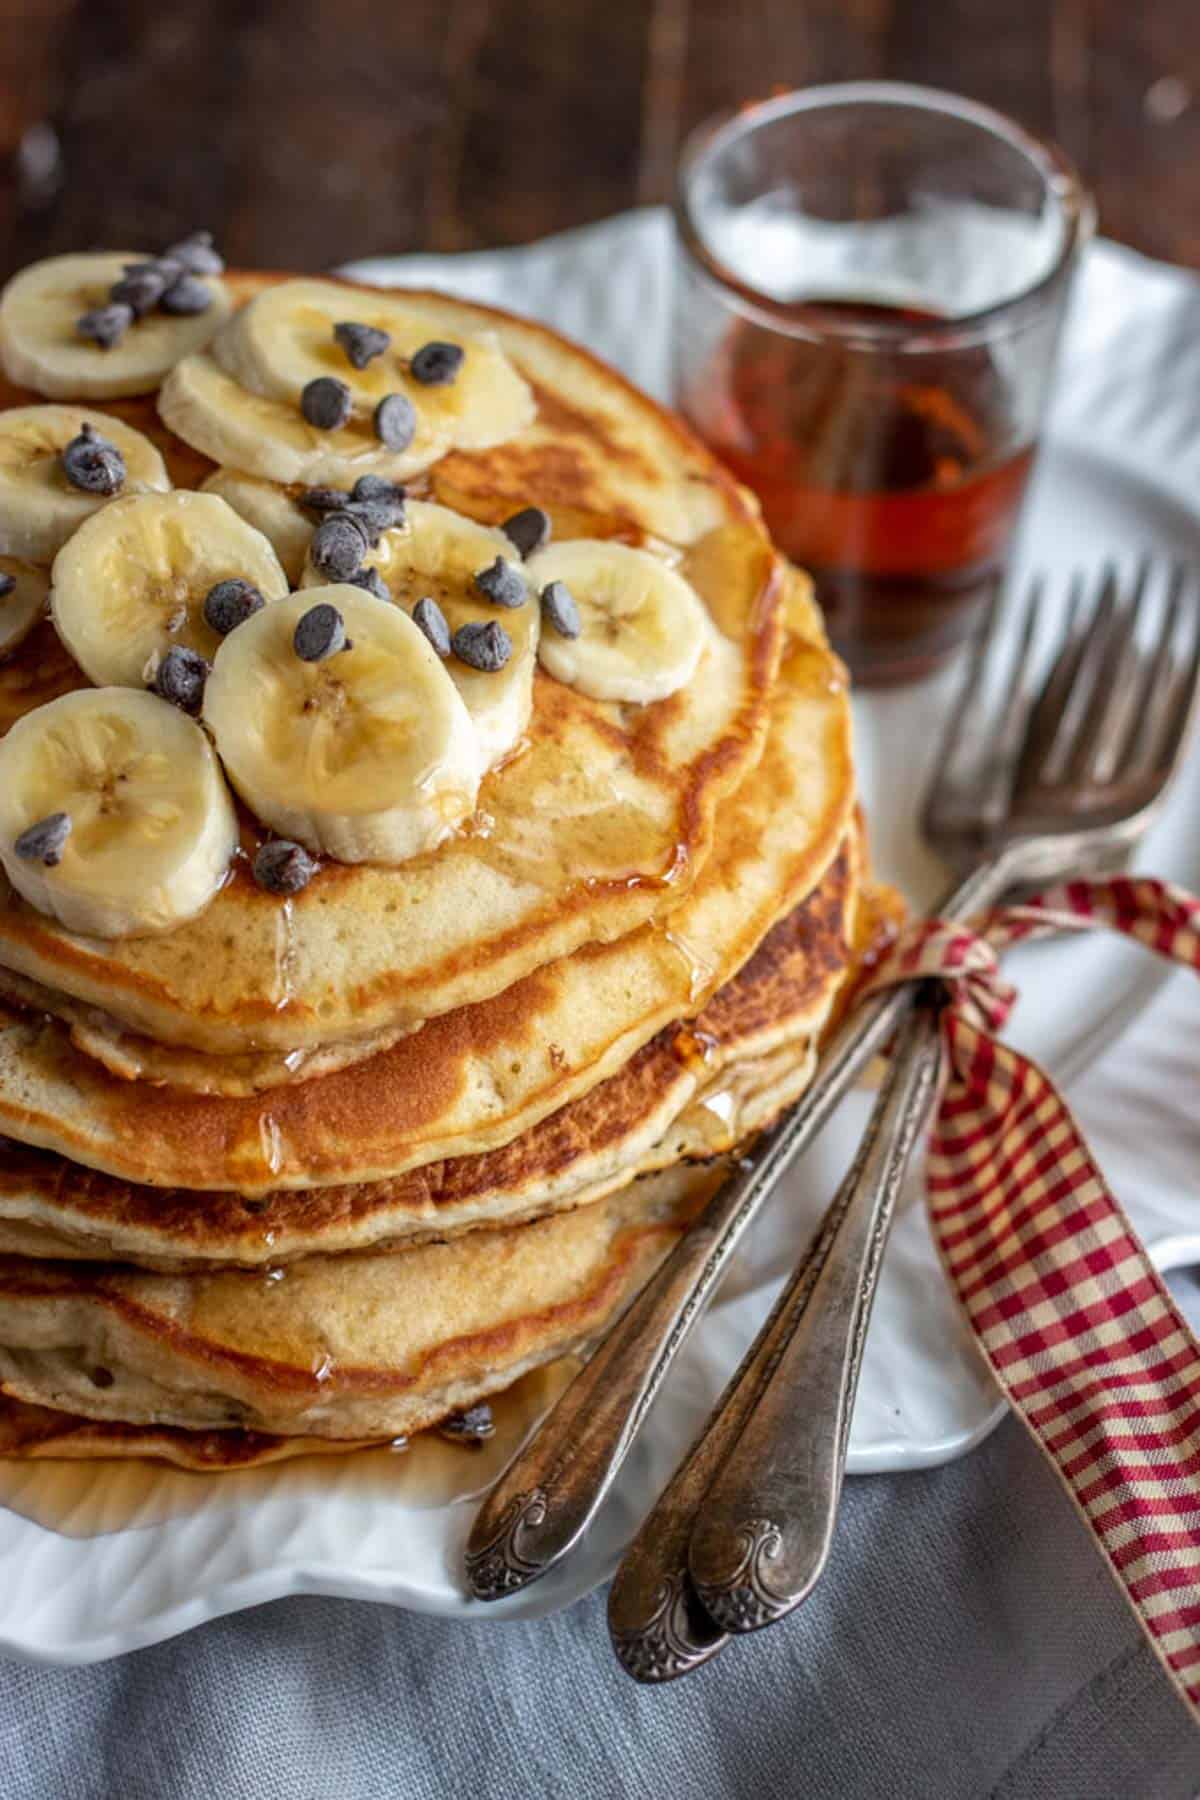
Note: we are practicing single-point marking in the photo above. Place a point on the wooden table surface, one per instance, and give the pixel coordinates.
(305, 132)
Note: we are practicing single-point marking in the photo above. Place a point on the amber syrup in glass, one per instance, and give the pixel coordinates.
(888, 471)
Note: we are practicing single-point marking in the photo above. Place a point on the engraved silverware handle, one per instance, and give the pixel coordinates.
(551, 1491)
(761, 1534)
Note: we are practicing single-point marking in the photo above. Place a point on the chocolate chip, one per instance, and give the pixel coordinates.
(385, 498)
(43, 842)
(195, 253)
(180, 678)
(141, 287)
(230, 603)
(436, 364)
(320, 632)
(7, 584)
(282, 867)
(472, 1426)
(338, 545)
(92, 464)
(326, 402)
(528, 530)
(485, 646)
(430, 618)
(102, 1378)
(186, 297)
(323, 499)
(502, 584)
(362, 343)
(372, 581)
(559, 609)
(106, 325)
(395, 421)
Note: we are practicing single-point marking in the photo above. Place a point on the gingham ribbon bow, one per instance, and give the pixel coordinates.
(1075, 1322)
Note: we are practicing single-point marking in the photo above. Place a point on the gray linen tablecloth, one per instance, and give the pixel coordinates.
(965, 1642)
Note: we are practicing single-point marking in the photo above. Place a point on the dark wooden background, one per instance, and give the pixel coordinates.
(305, 132)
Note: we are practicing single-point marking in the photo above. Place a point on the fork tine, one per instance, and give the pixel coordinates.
(979, 653)
(1006, 740)
(1182, 707)
(1046, 714)
(1101, 726)
(1146, 727)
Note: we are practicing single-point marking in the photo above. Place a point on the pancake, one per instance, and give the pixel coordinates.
(600, 823)
(347, 1347)
(476, 1078)
(50, 1206)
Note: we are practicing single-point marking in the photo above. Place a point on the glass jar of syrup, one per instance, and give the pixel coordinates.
(871, 283)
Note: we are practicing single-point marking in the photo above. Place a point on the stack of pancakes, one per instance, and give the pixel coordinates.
(335, 1166)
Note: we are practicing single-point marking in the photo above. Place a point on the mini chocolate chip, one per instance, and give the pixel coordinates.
(92, 464)
(372, 581)
(282, 867)
(142, 287)
(361, 343)
(105, 325)
(7, 584)
(395, 421)
(385, 498)
(102, 1378)
(326, 402)
(428, 615)
(195, 253)
(230, 603)
(338, 545)
(43, 842)
(481, 645)
(469, 1427)
(320, 632)
(560, 610)
(528, 530)
(186, 297)
(436, 364)
(502, 584)
(180, 678)
(323, 499)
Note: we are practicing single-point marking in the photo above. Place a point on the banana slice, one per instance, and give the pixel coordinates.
(22, 604)
(151, 823)
(436, 553)
(284, 339)
(41, 349)
(39, 507)
(366, 754)
(270, 438)
(133, 580)
(271, 510)
(643, 628)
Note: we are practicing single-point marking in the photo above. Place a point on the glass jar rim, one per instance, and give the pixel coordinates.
(1058, 174)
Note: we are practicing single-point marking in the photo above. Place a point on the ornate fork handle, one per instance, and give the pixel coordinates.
(549, 1494)
(761, 1534)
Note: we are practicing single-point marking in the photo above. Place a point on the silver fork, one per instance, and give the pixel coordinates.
(547, 1497)
(1031, 783)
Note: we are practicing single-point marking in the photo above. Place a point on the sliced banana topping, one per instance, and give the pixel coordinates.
(440, 556)
(618, 623)
(270, 509)
(42, 346)
(465, 394)
(114, 815)
(272, 439)
(42, 496)
(24, 592)
(340, 728)
(133, 581)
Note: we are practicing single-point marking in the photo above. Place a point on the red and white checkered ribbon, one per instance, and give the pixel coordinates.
(1075, 1322)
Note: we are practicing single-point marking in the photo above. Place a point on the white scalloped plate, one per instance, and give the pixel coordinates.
(1120, 474)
